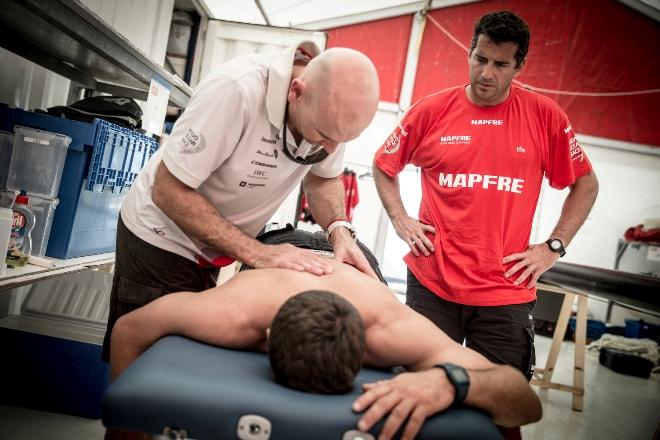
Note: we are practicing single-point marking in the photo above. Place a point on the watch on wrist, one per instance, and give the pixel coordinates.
(340, 223)
(556, 245)
(459, 378)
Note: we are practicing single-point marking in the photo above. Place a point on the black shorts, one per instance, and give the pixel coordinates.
(144, 272)
(503, 334)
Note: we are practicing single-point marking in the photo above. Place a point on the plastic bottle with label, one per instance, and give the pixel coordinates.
(6, 219)
(22, 224)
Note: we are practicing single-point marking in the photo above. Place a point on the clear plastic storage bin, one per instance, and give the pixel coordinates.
(37, 161)
(44, 210)
(6, 142)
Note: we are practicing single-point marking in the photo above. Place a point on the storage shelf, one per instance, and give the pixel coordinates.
(66, 37)
(28, 274)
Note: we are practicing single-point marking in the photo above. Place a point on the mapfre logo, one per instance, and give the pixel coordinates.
(455, 140)
(393, 143)
(487, 122)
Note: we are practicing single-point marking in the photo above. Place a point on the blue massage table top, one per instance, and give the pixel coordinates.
(204, 390)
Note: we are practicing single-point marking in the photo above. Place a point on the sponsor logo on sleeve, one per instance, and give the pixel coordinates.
(576, 150)
(191, 142)
(393, 142)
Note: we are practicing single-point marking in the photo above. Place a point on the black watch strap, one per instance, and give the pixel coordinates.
(459, 378)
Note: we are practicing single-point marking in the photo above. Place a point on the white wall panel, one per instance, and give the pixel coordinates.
(145, 24)
(629, 193)
(225, 40)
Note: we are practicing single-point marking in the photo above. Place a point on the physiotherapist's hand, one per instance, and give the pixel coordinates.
(533, 262)
(413, 232)
(412, 396)
(347, 251)
(287, 256)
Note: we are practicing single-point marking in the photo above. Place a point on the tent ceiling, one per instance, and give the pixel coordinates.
(322, 14)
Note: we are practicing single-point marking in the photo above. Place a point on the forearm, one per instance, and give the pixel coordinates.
(389, 193)
(129, 340)
(503, 392)
(138, 330)
(576, 207)
(199, 219)
(325, 198)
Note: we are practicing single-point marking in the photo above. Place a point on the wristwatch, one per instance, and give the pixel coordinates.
(556, 245)
(338, 223)
(459, 378)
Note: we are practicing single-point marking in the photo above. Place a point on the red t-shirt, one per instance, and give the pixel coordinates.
(481, 172)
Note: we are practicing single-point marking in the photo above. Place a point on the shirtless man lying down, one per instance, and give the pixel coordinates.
(317, 341)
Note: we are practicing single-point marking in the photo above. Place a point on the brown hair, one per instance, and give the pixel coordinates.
(503, 27)
(316, 343)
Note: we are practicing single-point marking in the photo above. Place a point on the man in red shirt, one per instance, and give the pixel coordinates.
(483, 150)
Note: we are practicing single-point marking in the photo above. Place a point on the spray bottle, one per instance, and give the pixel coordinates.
(6, 217)
(21, 229)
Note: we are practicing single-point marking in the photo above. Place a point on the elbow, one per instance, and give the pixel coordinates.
(158, 194)
(120, 331)
(589, 185)
(536, 410)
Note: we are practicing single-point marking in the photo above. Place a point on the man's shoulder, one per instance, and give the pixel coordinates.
(246, 75)
(244, 71)
(438, 101)
(443, 96)
(530, 98)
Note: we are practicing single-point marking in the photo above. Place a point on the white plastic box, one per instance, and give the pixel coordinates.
(37, 161)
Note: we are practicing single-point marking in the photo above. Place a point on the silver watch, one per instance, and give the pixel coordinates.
(337, 224)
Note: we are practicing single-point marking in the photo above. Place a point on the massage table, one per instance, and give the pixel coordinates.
(187, 389)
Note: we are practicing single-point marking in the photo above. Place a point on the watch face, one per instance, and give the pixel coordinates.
(459, 375)
(555, 244)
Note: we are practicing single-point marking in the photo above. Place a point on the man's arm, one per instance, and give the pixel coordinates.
(199, 219)
(538, 258)
(234, 315)
(410, 230)
(326, 201)
(501, 391)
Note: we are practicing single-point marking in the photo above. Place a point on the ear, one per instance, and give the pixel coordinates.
(296, 89)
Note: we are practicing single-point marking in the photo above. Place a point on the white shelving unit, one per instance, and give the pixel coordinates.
(28, 274)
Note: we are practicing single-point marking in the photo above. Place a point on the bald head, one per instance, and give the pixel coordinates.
(341, 86)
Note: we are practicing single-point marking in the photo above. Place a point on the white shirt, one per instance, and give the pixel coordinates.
(227, 145)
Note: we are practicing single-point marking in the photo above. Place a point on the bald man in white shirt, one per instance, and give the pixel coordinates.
(255, 128)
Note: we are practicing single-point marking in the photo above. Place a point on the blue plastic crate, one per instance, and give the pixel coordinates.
(637, 328)
(102, 163)
(595, 328)
(118, 157)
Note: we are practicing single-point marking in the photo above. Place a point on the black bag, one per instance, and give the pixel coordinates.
(119, 110)
(625, 363)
